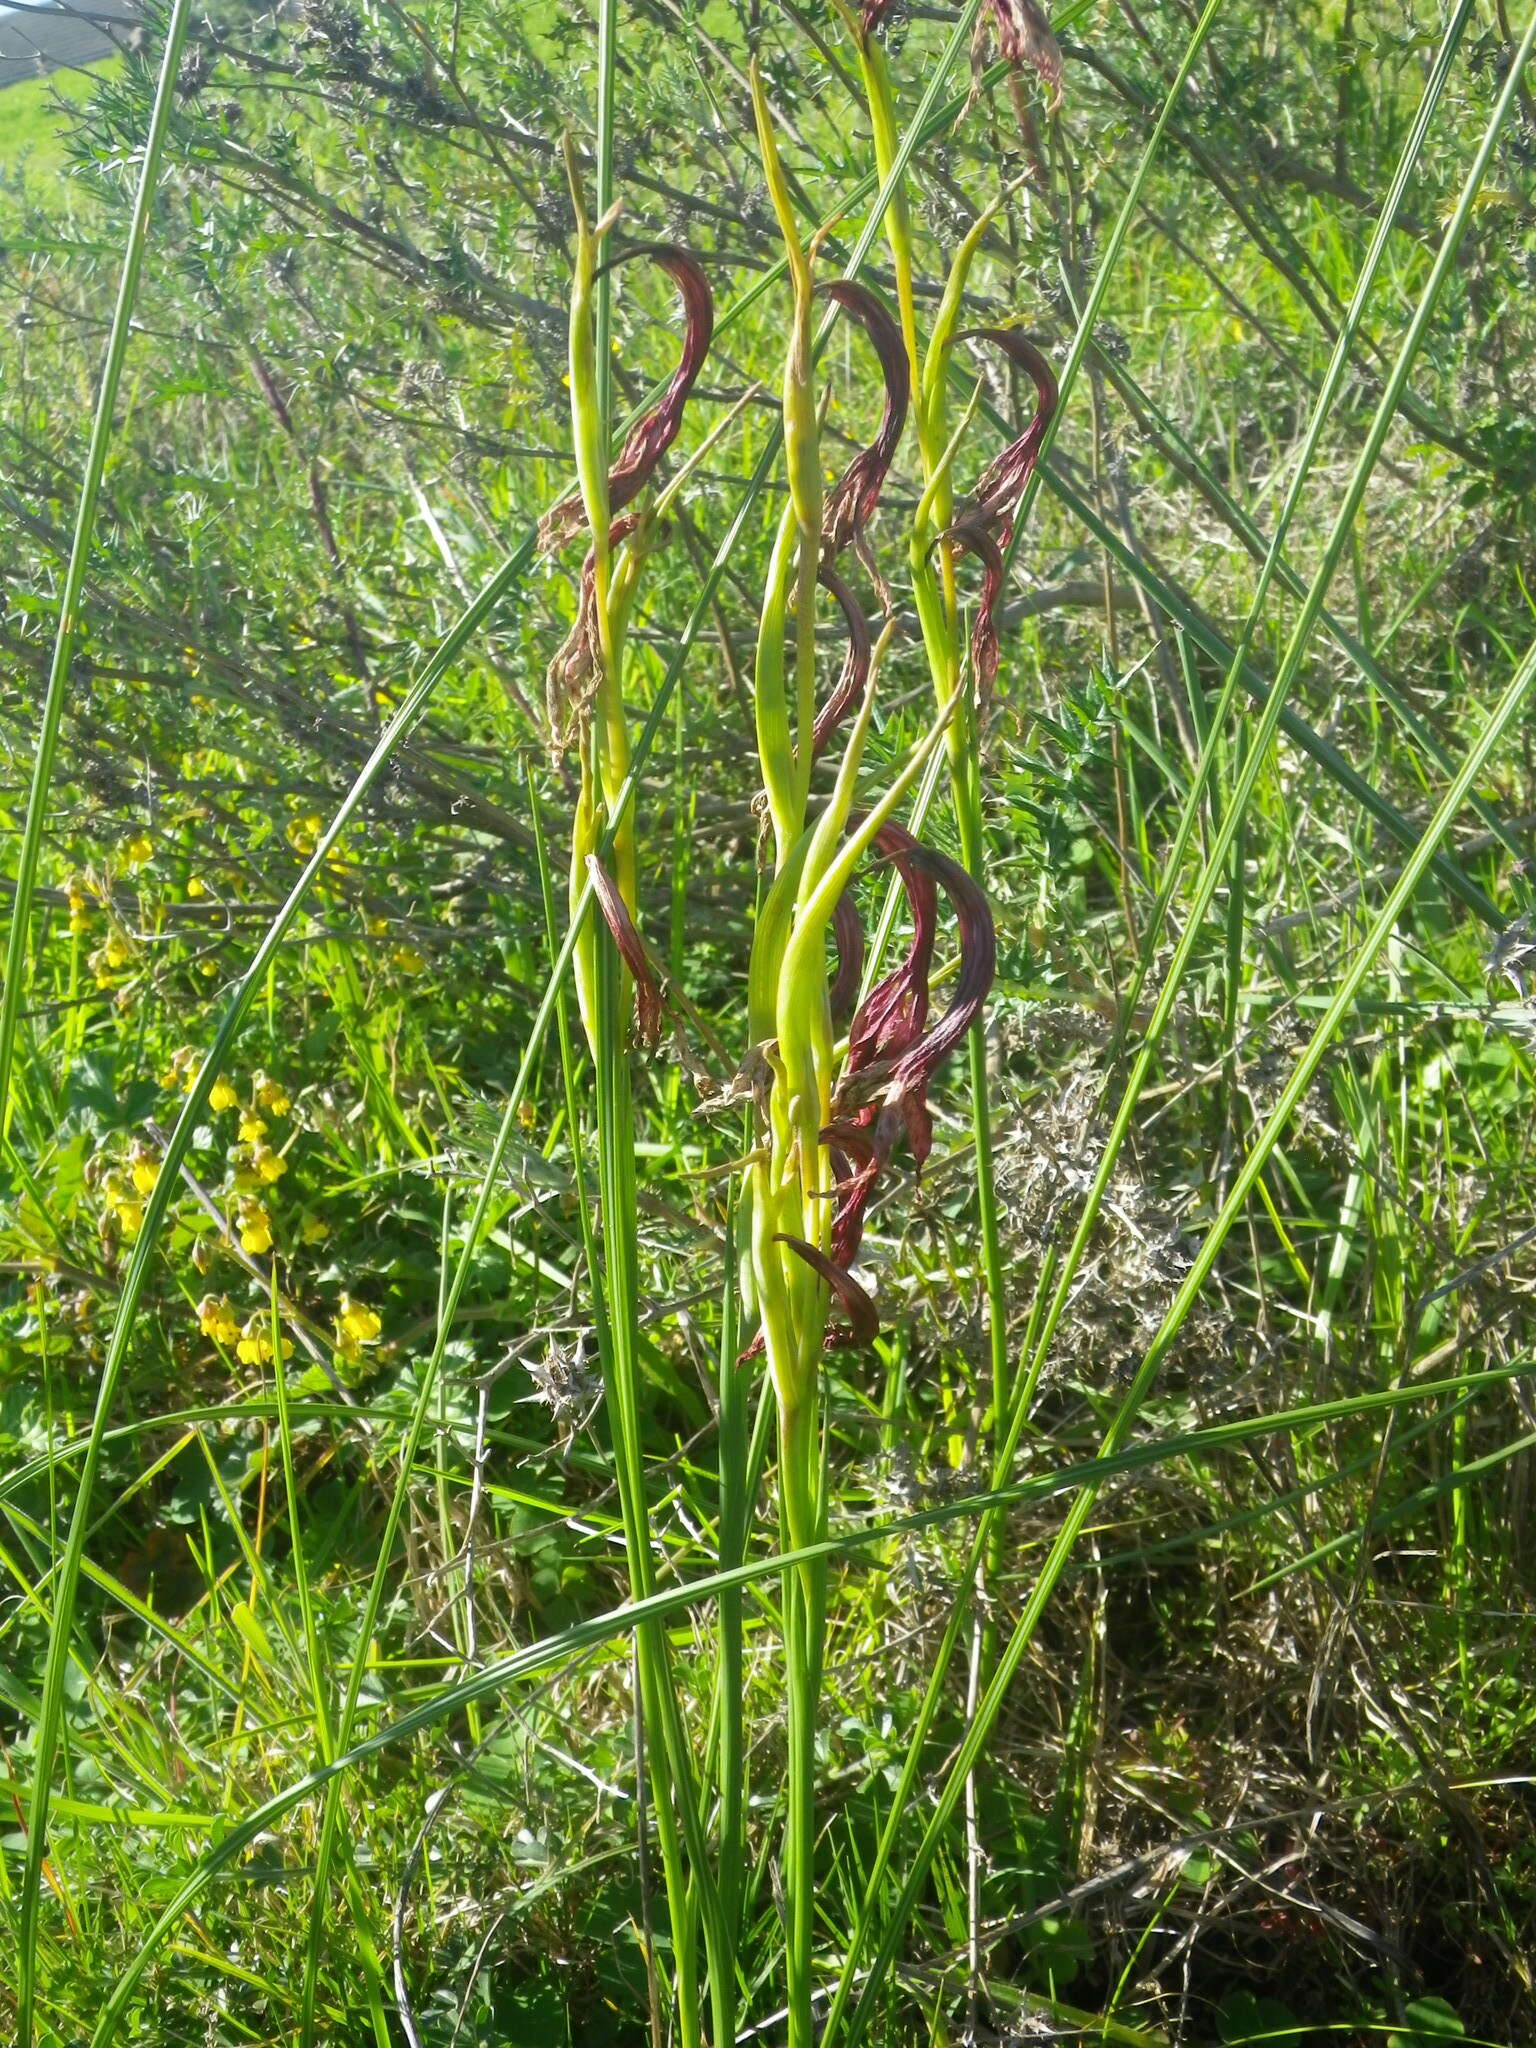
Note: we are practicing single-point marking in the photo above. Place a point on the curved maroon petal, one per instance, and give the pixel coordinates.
(973, 536)
(891, 1017)
(978, 957)
(850, 504)
(892, 1057)
(854, 680)
(849, 934)
(648, 1003)
(983, 522)
(1001, 483)
(863, 1318)
(650, 438)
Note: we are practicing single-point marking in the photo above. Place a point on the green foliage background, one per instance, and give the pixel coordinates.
(1265, 1772)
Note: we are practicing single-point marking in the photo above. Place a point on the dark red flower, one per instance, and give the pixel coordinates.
(850, 504)
(650, 438)
(893, 1052)
(854, 679)
(863, 1318)
(632, 949)
(982, 524)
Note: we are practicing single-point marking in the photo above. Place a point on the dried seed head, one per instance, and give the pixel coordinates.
(1024, 37)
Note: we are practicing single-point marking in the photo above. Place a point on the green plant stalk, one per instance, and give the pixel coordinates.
(684, 1918)
(670, 1771)
(608, 1009)
(784, 728)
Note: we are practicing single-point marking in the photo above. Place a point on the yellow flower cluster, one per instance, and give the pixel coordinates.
(79, 905)
(256, 1342)
(116, 950)
(356, 1326)
(138, 853)
(254, 1223)
(216, 1319)
(123, 1201)
(270, 1095)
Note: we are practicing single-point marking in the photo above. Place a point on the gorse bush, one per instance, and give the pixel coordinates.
(766, 1032)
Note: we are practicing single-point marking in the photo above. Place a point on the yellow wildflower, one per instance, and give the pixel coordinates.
(408, 960)
(216, 1319)
(195, 887)
(144, 1167)
(270, 1165)
(251, 1127)
(255, 1345)
(221, 1095)
(314, 1230)
(120, 1196)
(304, 833)
(356, 1323)
(272, 1095)
(255, 1228)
